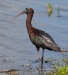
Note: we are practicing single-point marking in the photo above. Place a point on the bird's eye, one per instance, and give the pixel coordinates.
(26, 9)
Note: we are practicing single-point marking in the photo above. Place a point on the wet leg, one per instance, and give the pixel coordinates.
(38, 53)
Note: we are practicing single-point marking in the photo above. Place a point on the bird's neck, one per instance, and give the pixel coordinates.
(28, 22)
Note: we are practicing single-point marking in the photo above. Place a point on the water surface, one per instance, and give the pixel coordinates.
(15, 46)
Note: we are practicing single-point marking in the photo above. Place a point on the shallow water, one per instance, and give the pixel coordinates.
(15, 46)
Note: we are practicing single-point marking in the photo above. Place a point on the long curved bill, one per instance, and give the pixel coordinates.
(23, 12)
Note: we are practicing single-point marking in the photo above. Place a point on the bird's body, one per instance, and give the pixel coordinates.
(38, 37)
(43, 40)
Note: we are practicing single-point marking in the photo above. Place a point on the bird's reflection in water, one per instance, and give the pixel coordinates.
(41, 69)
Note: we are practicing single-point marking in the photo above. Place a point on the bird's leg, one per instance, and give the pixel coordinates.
(38, 53)
(43, 53)
(42, 59)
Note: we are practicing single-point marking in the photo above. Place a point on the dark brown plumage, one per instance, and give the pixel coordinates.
(38, 37)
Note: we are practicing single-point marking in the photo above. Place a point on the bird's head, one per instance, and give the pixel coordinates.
(26, 11)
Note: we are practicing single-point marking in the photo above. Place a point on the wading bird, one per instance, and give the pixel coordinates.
(38, 37)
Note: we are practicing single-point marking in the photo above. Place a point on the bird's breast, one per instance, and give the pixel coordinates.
(37, 40)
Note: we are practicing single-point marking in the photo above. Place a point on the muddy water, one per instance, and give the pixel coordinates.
(15, 47)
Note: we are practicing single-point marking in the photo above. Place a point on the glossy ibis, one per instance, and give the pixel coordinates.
(38, 37)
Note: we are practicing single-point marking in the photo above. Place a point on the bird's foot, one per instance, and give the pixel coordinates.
(38, 60)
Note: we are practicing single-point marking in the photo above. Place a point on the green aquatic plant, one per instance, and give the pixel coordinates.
(62, 70)
(58, 11)
(49, 9)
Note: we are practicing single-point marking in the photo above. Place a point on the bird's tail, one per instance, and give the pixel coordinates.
(64, 51)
